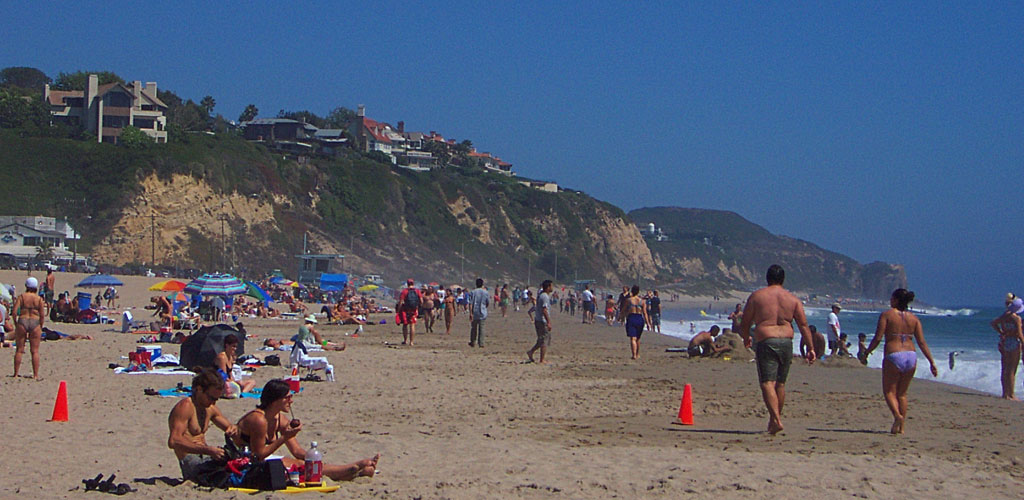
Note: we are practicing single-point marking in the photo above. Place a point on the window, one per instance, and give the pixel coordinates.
(31, 241)
(144, 122)
(117, 99)
(115, 121)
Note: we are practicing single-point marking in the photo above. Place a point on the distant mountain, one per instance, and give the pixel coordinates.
(723, 249)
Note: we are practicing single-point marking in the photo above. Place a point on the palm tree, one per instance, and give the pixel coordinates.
(44, 251)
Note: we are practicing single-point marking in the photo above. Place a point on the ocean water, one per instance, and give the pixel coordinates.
(963, 331)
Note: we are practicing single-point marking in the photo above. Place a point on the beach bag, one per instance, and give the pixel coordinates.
(412, 299)
(265, 475)
(272, 360)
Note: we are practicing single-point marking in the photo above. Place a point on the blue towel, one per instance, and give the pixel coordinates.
(187, 391)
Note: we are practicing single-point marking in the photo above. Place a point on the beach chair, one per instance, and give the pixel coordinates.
(128, 324)
(300, 357)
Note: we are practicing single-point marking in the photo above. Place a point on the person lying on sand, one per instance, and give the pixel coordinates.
(276, 344)
(190, 419)
(265, 429)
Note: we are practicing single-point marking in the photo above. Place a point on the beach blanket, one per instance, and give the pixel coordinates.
(177, 370)
(185, 391)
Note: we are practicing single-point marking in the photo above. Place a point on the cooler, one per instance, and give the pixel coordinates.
(84, 301)
(155, 350)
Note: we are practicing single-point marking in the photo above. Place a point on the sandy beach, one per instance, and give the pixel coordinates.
(451, 421)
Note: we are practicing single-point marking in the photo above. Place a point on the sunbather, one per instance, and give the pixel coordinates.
(265, 429)
(224, 363)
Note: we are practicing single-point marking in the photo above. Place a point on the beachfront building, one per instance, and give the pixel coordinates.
(104, 110)
(21, 236)
(548, 186)
(281, 133)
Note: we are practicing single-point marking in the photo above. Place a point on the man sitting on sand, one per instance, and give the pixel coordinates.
(190, 419)
(703, 345)
(771, 311)
(163, 309)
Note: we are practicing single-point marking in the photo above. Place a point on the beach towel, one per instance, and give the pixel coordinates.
(185, 391)
(156, 371)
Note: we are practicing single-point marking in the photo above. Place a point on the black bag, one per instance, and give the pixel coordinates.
(266, 475)
(272, 360)
(412, 299)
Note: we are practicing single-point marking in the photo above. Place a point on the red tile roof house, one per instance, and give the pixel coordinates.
(105, 110)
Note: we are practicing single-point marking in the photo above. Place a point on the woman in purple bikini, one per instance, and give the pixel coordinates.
(900, 328)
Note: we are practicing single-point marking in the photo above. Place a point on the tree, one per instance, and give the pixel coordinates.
(134, 138)
(80, 79)
(21, 112)
(208, 104)
(303, 116)
(23, 77)
(340, 117)
(44, 251)
(251, 111)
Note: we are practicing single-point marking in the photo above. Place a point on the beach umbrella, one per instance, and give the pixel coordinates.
(168, 286)
(99, 281)
(177, 297)
(367, 288)
(5, 293)
(215, 284)
(200, 348)
(296, 284)
(254, 290)
(280, 280)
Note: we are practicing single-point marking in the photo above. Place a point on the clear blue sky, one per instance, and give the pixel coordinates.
(886, 131)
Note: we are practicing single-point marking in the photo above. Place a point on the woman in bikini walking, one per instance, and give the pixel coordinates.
(900, 328)
(28, 324)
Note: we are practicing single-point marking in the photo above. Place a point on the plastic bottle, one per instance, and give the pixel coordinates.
(313, 467)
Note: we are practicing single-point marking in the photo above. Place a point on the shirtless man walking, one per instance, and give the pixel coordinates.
(189, 421)
(771, 311)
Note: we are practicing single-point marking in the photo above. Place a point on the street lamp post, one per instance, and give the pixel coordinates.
(462, 273)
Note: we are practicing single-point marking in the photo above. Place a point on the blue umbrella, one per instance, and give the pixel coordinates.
(278, 280)
(99, 281)
(216, 284)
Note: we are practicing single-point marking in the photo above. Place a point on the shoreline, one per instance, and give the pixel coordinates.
(457, 422)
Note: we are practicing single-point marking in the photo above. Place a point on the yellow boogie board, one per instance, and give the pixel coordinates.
(323, 488)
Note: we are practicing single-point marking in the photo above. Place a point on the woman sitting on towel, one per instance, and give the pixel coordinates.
(225, 363)
(266, 428)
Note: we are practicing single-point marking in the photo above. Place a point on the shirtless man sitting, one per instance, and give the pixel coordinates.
(771, 311)
(163, 309)
(703, 345)
(189, 421)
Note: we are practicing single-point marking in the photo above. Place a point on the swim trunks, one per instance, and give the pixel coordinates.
(634, 325)
(543, 335)
(655, 318)
(406, 316)
(774, 355)
(904, 361)
(696, 351)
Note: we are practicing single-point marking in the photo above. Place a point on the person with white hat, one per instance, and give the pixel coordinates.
(310, 337)
(28, 308)
(1011, 337)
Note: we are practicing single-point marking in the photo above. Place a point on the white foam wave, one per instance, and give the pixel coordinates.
(935, 311)
(974, 369)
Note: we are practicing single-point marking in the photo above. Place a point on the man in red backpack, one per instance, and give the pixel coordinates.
(408, 308)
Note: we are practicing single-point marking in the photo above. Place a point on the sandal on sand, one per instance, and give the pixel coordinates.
(149, 391)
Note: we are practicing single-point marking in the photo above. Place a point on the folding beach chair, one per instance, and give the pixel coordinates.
(128, 324)
(300, 357)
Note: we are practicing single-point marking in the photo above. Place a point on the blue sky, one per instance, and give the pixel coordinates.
(886, 131)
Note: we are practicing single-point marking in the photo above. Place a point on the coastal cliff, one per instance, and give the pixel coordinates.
(728, 251)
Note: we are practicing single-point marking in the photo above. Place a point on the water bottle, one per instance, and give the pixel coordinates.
(313, 468)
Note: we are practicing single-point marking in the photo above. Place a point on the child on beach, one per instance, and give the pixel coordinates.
(844, 346)
(862, 349)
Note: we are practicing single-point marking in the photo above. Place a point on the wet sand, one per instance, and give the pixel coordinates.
(452, 421)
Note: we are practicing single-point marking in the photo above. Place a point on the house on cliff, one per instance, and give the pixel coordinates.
(105, 110)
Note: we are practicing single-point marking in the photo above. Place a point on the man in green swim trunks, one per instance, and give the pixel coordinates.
(771, 311)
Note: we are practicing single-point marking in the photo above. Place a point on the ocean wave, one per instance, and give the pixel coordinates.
(935, 311)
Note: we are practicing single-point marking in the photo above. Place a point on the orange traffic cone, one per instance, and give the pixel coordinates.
(60, 407)
(686, 407)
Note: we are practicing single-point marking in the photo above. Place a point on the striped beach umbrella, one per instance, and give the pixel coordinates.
(216, 284)
(168, 286)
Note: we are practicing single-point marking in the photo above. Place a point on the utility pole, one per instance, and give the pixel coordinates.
(462, 279)
(152, 241)
(223, 244)
(529, 268)
(556, 265)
